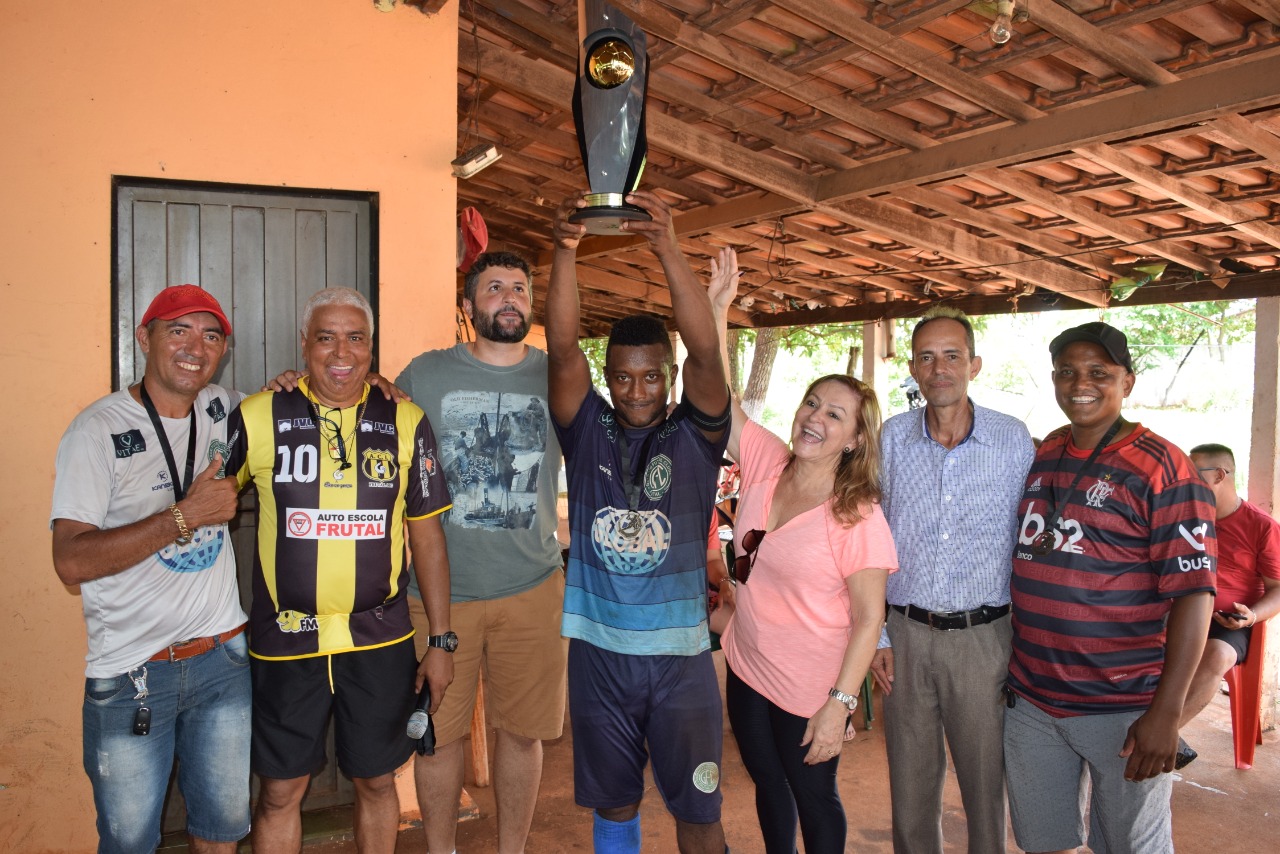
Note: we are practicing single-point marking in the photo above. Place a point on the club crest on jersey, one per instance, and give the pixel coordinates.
(657, 477)
(379, 465)
(128, 443)
(216, 410)
(217, 446)
(1098, 493)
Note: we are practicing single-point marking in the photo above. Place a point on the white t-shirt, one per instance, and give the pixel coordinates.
(112, 472)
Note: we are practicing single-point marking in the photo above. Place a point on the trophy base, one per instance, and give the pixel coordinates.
(608, 219)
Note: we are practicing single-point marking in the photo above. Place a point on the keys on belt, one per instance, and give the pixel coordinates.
(946, 621)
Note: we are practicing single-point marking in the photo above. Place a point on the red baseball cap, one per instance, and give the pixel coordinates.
(178, 300)
(474, 237)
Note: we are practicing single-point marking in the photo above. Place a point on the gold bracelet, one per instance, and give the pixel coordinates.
(184, 533)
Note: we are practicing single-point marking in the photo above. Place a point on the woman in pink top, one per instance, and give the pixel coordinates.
(814, 552)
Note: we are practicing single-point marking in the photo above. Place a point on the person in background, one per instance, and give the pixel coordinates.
(813, 551)
(1248, 581)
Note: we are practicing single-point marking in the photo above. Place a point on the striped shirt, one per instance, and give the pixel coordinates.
(329, 572)
(953, 513)
(636, 581)
(1089, 616)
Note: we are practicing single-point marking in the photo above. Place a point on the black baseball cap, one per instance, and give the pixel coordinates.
(1104, 335)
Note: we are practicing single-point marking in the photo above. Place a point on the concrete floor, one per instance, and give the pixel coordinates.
(1215, 807)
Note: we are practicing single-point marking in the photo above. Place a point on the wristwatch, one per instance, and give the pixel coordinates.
(850, 701)
(447, 641)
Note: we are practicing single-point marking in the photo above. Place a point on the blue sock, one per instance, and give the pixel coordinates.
(616, 837)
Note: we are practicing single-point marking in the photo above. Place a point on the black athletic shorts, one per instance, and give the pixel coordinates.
(1237, 639)
(368, 691)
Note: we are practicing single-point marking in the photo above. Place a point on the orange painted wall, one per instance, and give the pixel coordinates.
(310, 93)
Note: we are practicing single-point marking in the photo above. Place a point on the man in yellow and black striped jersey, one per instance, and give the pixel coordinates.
(342, 477)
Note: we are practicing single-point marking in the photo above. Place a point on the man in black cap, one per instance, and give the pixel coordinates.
(1113, 580)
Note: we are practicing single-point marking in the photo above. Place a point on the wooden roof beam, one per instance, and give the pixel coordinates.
(1241, 87)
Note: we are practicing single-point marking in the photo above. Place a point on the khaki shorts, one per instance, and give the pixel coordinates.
(516, 639)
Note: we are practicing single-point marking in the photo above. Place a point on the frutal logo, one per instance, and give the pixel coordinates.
(299, 524)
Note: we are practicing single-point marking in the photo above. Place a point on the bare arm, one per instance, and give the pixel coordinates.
(82, 552)
(704, 381)
(288, 381)
(568, 374)
(1152, 741)
(825, 732)
(1264, 609)
(722, 288)
(431, 565)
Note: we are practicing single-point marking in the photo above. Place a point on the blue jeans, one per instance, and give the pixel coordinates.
(200, 713)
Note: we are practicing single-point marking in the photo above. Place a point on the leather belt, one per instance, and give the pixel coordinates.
(946, 621)
(196, 646)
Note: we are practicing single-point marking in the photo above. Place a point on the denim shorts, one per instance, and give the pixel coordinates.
(200, 714)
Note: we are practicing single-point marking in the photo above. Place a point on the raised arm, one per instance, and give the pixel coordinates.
(703, 372)
(568, 374)
(722, 288)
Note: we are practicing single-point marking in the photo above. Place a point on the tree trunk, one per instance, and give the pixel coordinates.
(735, 364)
(761, 371)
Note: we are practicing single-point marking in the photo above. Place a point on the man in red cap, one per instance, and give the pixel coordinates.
(140, 512)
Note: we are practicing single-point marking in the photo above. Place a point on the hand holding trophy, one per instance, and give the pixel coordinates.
(608, 111)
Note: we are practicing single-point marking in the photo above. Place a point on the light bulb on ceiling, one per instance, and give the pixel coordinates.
(1002, 29)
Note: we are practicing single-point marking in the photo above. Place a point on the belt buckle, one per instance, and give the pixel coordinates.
(941, 627)
(179, 647)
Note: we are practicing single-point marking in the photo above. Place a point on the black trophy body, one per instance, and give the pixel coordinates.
(608, 110)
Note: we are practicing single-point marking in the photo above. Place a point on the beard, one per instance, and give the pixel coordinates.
(488, 327)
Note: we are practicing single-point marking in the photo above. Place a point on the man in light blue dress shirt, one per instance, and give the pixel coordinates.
(953, 476)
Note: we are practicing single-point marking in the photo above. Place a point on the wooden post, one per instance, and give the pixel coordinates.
(1264, 474)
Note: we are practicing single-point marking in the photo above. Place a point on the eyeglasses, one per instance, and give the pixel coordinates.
(1225, 472)
(745, 562)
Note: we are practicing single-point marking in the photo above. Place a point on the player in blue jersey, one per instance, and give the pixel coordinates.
(641, 489)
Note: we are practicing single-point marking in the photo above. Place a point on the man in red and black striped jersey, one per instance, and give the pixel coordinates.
(1113, 580)
(342, 477)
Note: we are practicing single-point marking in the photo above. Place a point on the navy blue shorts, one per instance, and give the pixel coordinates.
(1237, 639)
(630, 709)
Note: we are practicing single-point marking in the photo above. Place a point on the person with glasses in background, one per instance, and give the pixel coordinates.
(1248, 581)
(813, 553)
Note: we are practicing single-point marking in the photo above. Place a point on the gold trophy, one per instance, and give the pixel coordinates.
(608, 111)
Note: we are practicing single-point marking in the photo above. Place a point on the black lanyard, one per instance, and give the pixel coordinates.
(1044, 543)
(632, 485)
(179, 486)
